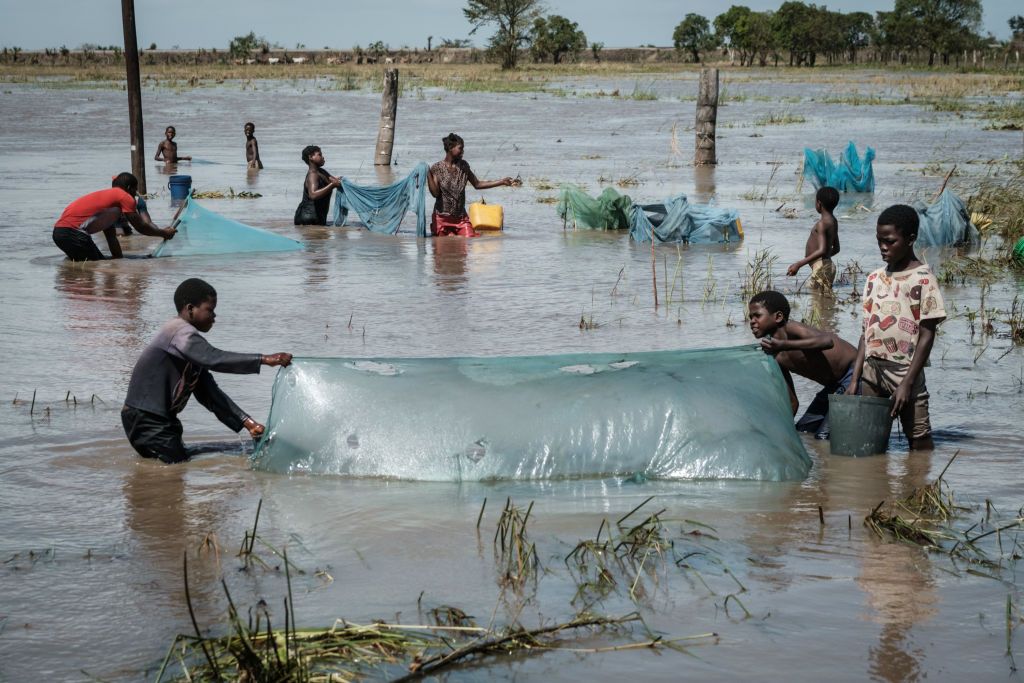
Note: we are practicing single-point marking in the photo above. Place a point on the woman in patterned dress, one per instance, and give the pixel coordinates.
(447, 182)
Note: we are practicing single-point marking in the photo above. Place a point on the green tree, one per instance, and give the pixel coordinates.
(512, 20)
(731, 29)
(242, 47)
(856, 29)
(595, 49)
(1016, 25)
(694, 34)
(556, 37)
(943, 24)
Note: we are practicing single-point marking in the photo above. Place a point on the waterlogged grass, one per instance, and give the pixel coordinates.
(779, 119)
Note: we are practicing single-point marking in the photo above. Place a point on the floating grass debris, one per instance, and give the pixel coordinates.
(515, 555)
(779, 119)
(221, 194)
(926, 518)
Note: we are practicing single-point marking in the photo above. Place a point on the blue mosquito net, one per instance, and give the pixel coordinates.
(705, 414)
(677, 220)
(383, 208)
(944, 222)
(849, 174)
(201, 231)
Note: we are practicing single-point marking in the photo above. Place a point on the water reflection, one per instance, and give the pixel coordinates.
(102, 298)
(450, 262)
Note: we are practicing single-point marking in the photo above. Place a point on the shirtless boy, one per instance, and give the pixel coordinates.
(167, 150)
(252, 148)
(806, 351)
(823, 242)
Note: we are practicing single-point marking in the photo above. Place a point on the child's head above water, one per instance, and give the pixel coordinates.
(196, 300)
(827, 198)
(902, 217)
(767, 312)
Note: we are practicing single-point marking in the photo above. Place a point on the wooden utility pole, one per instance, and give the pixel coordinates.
(707, 116)
(388, 112)
(134, 87)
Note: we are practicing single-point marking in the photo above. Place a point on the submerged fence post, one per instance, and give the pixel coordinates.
(707, 116)
(131, 62)
(388, 111)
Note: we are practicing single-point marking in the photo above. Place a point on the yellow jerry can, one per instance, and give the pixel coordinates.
(486, 216)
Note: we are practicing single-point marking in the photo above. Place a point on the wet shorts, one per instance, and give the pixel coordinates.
(823, 273)
(153, 436)
(815, 418)
(77, 244)
(881, 377)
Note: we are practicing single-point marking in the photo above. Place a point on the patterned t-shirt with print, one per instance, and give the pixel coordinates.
(894, 306)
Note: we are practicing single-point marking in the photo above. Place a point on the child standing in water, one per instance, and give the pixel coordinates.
(177, 364)
(252, 148)
(167, 150)
(823, 242)
(316, 191)
(902, 308)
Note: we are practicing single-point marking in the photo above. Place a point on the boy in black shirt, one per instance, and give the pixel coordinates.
(177, 364)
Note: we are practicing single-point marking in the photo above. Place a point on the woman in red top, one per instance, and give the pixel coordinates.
(447, 182)
(100, 212)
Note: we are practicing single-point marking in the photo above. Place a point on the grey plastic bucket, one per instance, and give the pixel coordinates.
(860, 424)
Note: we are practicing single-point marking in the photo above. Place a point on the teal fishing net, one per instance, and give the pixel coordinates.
(707, 414)
(944, 222)
(677, 220)
(383, 208)
(201, 231)
(849, 174)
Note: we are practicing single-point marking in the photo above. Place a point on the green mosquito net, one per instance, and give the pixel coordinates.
(675, 220)
(707, 414)
(201, 231)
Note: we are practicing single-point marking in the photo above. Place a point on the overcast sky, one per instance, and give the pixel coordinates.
(35, 24)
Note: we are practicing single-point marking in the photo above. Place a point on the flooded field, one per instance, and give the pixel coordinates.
(787, 579)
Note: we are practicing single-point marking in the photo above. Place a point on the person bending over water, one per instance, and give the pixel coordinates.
(167, 150)
(177, 364)
(101, 211)
(447, 182)
(252, 148)
(816, 354)
(316, 192)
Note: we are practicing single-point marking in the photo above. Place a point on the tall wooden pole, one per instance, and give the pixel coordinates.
(134, 87)
(388, 112)
(707, 116)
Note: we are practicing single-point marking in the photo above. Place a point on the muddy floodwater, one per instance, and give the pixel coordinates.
(93, 536)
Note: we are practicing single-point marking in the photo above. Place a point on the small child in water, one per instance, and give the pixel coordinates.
(167, 150)
(822, 243)
(252, 148)
(175, 365)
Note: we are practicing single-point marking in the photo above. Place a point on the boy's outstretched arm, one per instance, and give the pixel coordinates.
(147, 228)
(925, 340)
(820, 251)
(858, 366)
(800, 337)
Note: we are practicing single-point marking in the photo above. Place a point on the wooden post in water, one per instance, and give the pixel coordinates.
(388, 112)
(707, 116)
(131, 62)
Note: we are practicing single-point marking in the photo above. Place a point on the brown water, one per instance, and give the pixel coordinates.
(93, 536)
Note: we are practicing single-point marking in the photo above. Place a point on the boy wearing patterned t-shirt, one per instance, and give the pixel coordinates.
(902, 308)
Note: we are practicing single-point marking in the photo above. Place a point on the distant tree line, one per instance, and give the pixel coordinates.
(800, 33)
